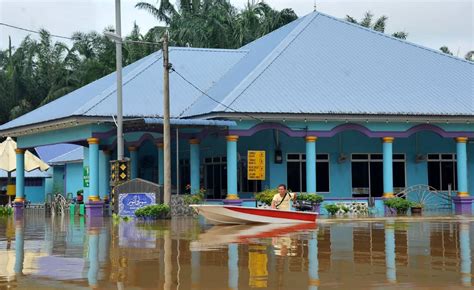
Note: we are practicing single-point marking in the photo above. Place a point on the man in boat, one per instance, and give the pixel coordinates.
(281, 200)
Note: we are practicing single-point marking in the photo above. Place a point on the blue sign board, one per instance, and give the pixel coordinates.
(130, 202)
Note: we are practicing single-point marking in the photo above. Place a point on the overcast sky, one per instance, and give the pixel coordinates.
(431, 23)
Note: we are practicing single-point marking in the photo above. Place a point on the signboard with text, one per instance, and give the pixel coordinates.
(85, 176)
(256, 165)
(130, 202)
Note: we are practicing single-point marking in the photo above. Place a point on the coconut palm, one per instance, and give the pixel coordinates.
(377, 25)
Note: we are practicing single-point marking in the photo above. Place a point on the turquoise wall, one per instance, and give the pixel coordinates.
(58, 179)
(340, 173)
(36, 194)
(74, 177)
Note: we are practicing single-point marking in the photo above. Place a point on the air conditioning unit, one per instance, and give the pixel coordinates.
(342, 158)
(420, 158)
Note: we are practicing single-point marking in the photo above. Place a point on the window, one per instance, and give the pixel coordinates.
(442, 171)
(215, 181)
(367, 174)
(184, 175)
(246, 185)
(296, 172)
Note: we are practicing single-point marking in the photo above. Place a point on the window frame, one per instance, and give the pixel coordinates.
(302, 158)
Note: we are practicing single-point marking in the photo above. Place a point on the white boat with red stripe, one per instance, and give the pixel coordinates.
(228, 214)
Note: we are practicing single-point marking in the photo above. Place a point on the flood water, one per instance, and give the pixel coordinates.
(58, 253)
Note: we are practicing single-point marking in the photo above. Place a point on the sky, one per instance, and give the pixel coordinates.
(433, 23)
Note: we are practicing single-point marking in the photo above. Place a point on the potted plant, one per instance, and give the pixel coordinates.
(332, 209)
(416, 208)
(398, 205)
(264, 198)
(308, 202)
(196, 198)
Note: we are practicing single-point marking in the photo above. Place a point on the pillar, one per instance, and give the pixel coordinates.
(232, 167)
(94, 206)
(19, 247)
(465, 253)
(161, 166)
(233, 265)
(133, 162)
(194, 165)
(105, 185)
(195, 269)
(313, 265)
(311, 164)
(93, 253)
(387, 167)
(19, 201)
(462, 202)
(390, 265)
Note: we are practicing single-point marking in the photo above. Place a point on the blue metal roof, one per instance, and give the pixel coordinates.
(328, 66)
(75, 155)
(46, 153)
(317, 64)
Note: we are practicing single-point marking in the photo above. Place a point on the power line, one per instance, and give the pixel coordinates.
(213, 99)
(70, 38)
(33, 31)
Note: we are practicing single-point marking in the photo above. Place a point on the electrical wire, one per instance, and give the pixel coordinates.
(70, 38)
(210, 97)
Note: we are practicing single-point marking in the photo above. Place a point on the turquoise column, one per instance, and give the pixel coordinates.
(390, 265)
(105, 185)
(133, 162)
(232, 167)
(387, 167)
(465, 252)
(194, 165)
(233, 265)
(19, 247)
(313, 267)
(93, 253)
(20, 175)
(93, 169)
(195, 268)
(461, 162)
(161, 167)
(311, 164)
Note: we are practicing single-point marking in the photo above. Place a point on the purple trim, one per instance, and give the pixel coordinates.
(463, 205)
(350, 126)
(94, 209)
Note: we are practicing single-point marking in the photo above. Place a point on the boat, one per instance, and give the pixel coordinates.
(220, 236)
(228, 214)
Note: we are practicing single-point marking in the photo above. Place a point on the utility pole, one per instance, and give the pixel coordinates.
(166, 122)
(118, 48)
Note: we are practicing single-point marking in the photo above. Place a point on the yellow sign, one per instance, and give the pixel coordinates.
(255, 165)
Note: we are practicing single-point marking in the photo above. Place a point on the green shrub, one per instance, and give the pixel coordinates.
(266, 196)
(310, 197)
(399, 204)
(153, 211)
(332, 208)
(6, 211)
(196, 198)
(416, 204)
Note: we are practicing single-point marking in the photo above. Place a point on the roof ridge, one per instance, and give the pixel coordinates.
(84, 109)
(395, 38)
(66, 153)
(233, 50)
(269, 59)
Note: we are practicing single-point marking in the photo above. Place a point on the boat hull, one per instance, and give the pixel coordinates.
(227, 214)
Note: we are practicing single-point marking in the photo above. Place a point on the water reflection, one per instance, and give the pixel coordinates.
(185, 254)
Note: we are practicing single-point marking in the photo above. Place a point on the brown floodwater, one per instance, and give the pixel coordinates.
(59, 253)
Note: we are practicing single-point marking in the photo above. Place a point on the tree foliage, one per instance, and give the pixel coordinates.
(41, 69)
(376, 24)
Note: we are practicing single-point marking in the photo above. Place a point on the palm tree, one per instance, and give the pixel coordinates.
(469, 55)
(378, 25)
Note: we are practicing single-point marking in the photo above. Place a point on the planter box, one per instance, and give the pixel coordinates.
(416, 210)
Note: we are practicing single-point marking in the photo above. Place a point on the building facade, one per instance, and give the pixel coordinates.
(339, 110)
